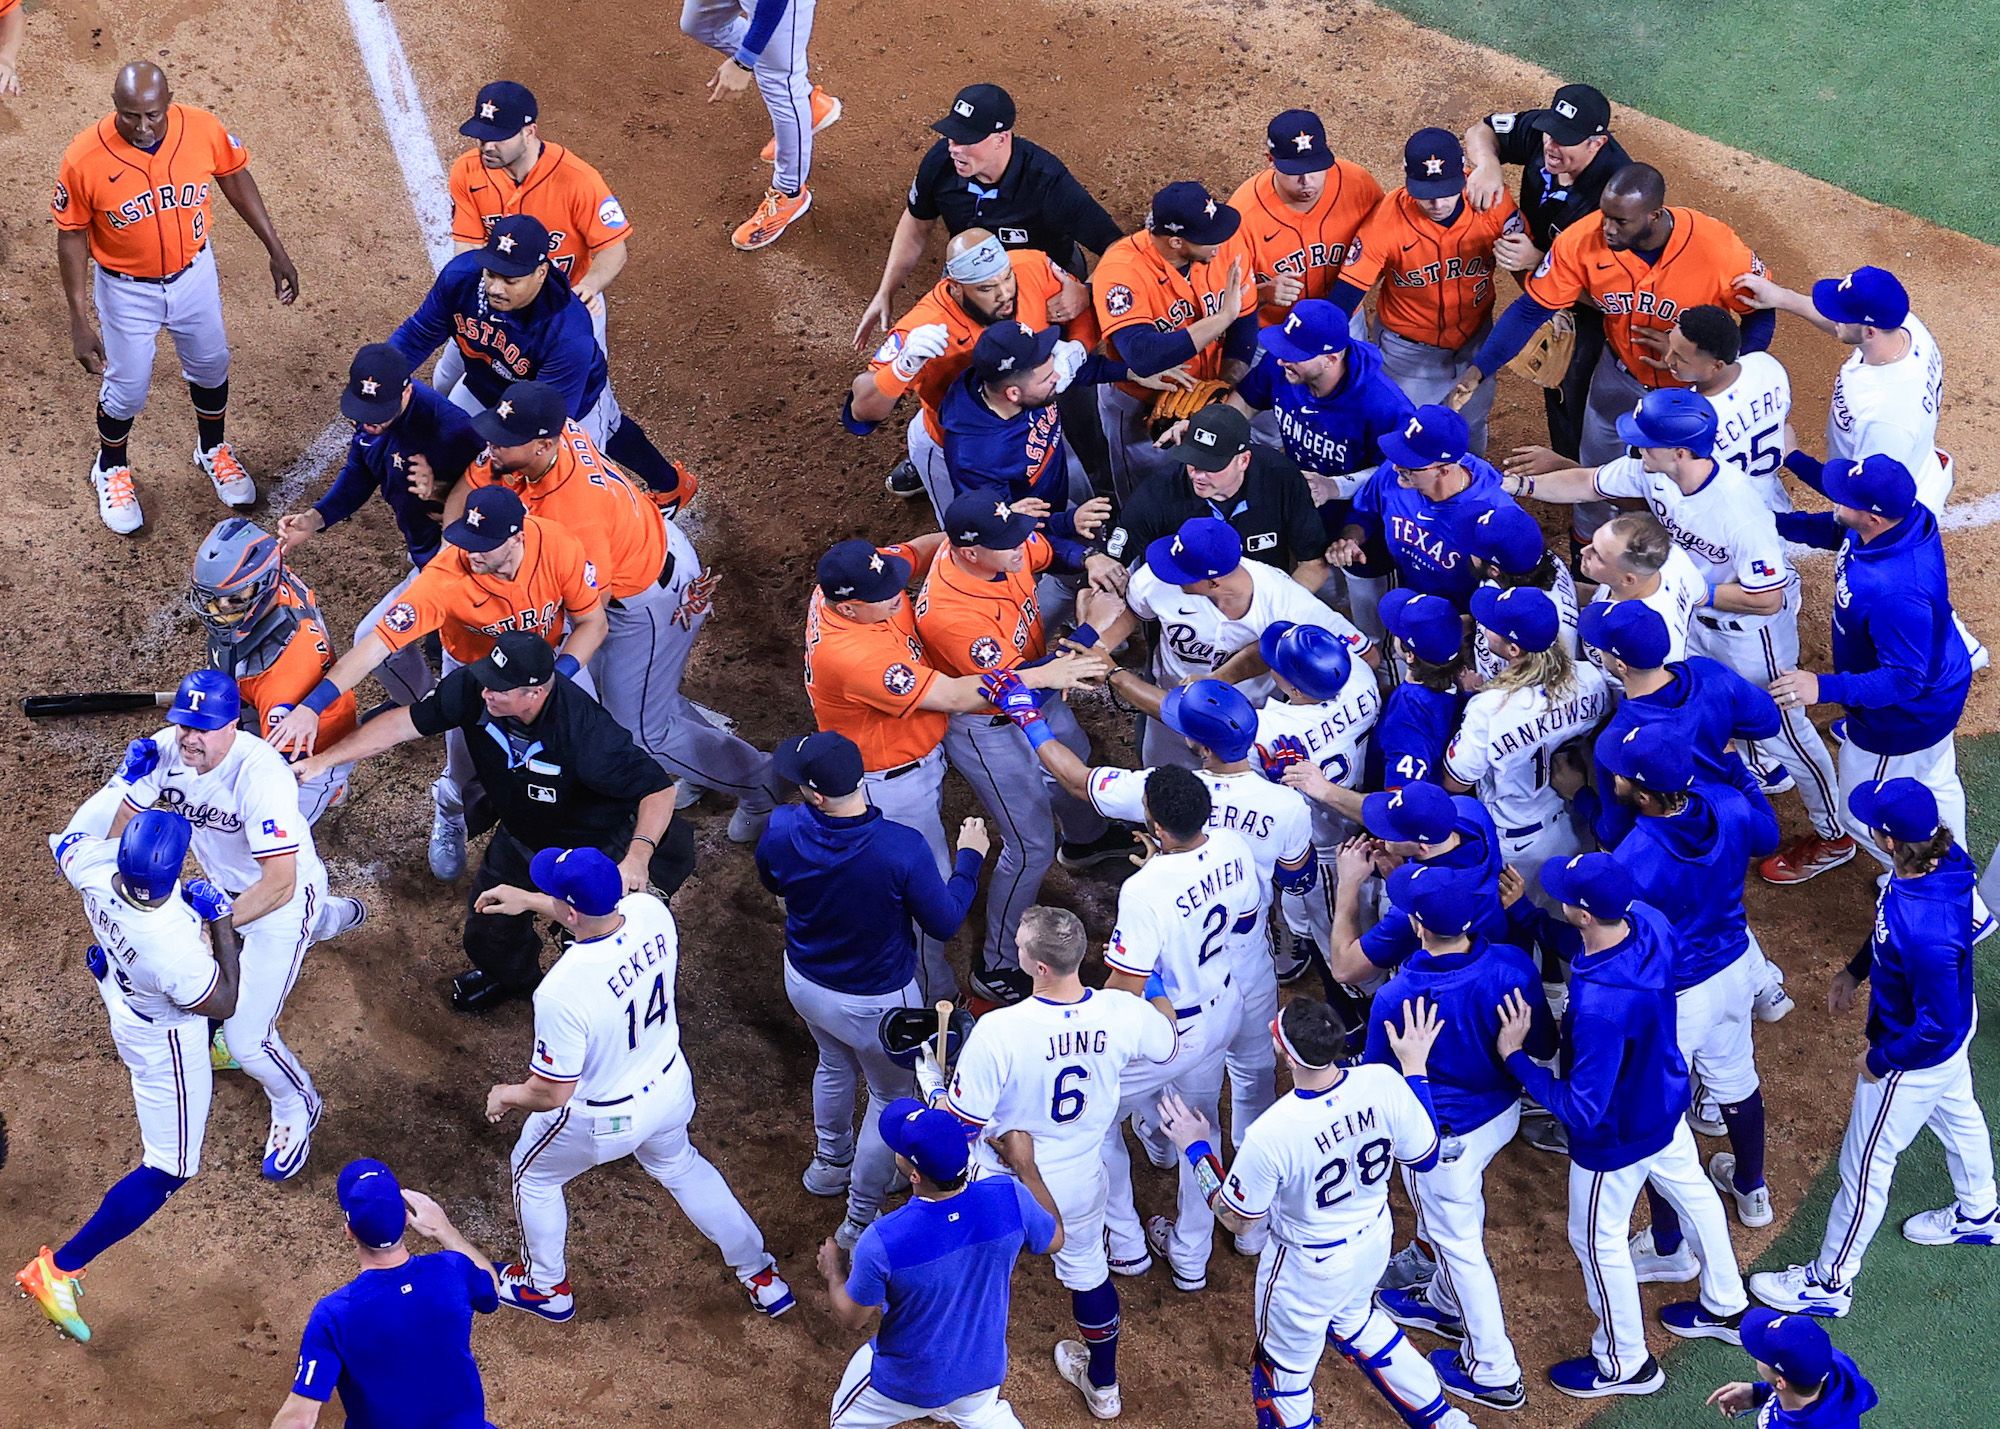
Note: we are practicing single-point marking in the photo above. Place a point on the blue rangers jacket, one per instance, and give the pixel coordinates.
(1918, 963)
(1426, 539)
(1714, 707)
(1690, 866)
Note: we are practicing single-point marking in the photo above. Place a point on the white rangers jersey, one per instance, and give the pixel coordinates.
(1052, 1069)
(1507, 738)
(1679, 594)
(605, 1016)
(1564, 596)
(1183, 913)
(1723, 525)
(244, 810)
(1750, 415)
(1317, 1165)
(1196, 638)
(159, 962)
(1893, 409)
(1335, 735)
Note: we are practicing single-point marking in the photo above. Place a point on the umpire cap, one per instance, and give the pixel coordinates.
(1310, 658)
(977, 112)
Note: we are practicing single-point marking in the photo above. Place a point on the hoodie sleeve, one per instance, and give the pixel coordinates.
(425, 330)
(1933, 1013)
(940, 907)
(1893, 624)
(1581, 1099)
(1753, 713)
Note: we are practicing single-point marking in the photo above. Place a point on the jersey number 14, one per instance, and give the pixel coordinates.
(656, 1011)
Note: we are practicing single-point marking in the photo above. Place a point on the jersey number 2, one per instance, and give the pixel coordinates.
(1067, 1103)
(1213, 924)
(656, 1011)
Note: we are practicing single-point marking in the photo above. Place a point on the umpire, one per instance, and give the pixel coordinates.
(557, 772)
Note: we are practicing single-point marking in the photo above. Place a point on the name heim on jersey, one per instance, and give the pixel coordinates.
(1346, 1127)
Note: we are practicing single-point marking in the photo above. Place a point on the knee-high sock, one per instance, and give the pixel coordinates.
(631, 447)
(1666, 1223)
(1096, 1315)
(126, 1206)
(1745, 1122)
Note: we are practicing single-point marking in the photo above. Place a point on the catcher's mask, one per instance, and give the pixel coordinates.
(235, 577)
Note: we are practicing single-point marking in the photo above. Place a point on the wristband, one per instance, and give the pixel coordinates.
(637, 838)
(322, 695)
(568, 665)
(853, 423)
(1710, 601)
(1207, 1168)
(1038, 732)
(1085, 635)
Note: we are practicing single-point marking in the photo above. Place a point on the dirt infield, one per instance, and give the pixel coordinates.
(737, 362)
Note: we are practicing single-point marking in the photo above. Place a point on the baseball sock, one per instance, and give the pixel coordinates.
(125, 1207)
(210, 405)
(630, 447)
(111, 436)
(1666, 1223)
(1096, 1315)
(1745, 1121)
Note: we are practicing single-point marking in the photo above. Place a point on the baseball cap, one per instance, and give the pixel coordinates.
(1313, 328)
(1187, 211)
(1671, 417)
(1876, 483)
(979, 262)
(977, 112)
(1296, 142)
(1428, 624)
(1012, 350)
(584, 878)
(1204, 549)
(1418, 813)
(1433, 435)
(826, 763)
(492, 516)
(525, 411)
(501, 111)
(372, 1200)
(980, 518)
(1656, 756)
(1433, 164)
(931, 1139)
(1633, 631)
(207, 699)
(1509, 537)
(1445, 901)
(1215, 436)
(855, 570)
(1594, 882)
(519, 660)
(1874, 296)
(1523, 615)
(1902, 808)
(1796, 1346)
(375, 382)
(515, 246)
(1577, 112)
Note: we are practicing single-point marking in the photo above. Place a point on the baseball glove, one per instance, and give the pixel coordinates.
(1178, 404)
(1546, 358)
(904, 1030)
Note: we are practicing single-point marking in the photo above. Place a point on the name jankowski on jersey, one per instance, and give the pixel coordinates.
(1577, 712)
(1226, 874)
(144, 205)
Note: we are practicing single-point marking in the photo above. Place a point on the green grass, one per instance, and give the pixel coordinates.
(1891, 100)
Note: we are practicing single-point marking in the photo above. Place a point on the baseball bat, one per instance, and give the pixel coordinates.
(94, 702)
(944, 1011)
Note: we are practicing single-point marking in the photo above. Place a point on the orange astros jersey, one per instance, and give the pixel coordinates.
(1700, 264)
(970, 625)
(1437, 279)
(1311, 246)
(1133, 284)
(621, 530)
(147, 214)
(468, 610)
(278, 671)
(570, 198)
(865, 681)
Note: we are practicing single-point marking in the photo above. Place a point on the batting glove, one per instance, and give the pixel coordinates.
(94, 959)
(1282, 753)
(930, 1077)
(142, 757)
(1005, 692)
(208, 901)
(1069, 356)
(920, 347)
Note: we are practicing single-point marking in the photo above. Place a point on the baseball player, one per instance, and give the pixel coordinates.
(159, 986)
(252, 841)
(1508, 549)
(1750, 391)
(131, 198)
(1300, 215)
(1433, 255)
(1634, 557)
(13, 25)
(607, 1080)
(1052, 1066)
(766, 41)
(1621, 1093)
(1423, 711)
(1315, 1168)
(1914, 1073)
(1805, 1383)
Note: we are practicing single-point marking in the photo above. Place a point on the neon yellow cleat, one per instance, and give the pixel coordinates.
(55, 1292)
(220, 1058)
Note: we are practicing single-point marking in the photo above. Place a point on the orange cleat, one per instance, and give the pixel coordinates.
(56, 1292)
(826, 111)
(773, 216)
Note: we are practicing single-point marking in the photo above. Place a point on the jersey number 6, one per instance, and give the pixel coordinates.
(1067, 1103)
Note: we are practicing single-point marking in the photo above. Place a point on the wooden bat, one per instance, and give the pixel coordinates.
(95, 702)
(944, 1011)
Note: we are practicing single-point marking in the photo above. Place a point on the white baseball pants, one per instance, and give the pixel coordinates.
(780, 72)
(1450, 1200)
(850, 1058)
(1712, 1025)
(857, 1404)
(171, 1082)
(1528, 849)
(1251, 1062)
(131, 315)
(274, 948)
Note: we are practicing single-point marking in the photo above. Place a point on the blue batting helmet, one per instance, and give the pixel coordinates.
(207, 699)
(151, 852)
(1214, 714)
(1671, 417)
(1310, 658)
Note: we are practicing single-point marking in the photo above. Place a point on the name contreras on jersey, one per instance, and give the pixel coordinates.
(1346, 1127)
(1224, 875)
(1584, 709)
(630, 973)
(1085, 1043)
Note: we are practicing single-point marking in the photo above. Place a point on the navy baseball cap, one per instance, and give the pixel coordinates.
(1901, 808)
(980, 518)
(1445, 901)
(502, 110)
(1873, 296)
(826, 763)
(525, 412)
(1434, 164)
(1656, 756)
(376, 380)
(372, 1200)
(1419, 813)
(931, 1139)
(1634, 632)
(1508, 537)
(1296, 142)
(1313, 328)
(1215, 436)
(855, 570)
(493, 515)
(516, 245)
(1594, 882)
(1428, 624)
(1876, 483)
(978, 111)
(1012, 350)
(1576, 113)
(1671, 417)
(207, 699)
(1433, 435)
(1187, 211)
(519, 660)
(1523, 615)
(1796, 1346)
(584, 878)
(1204, 549)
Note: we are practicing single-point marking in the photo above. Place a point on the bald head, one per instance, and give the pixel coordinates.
(139, 100)
(139, 81)
(979, 276)
(965, 242)
(1638, 183)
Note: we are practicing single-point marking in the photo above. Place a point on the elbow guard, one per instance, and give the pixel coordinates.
(853, 423)
(1297, 880)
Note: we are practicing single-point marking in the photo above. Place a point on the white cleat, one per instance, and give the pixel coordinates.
(117, 498)
(1073, 1364)
(1651, 1268)
(1753, 1208)
(232, 482)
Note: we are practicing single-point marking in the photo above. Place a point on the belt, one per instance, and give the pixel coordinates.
(159, 282)
(1201, 1007)
(633, 1096)
(996, 722)
(901, 769)
(666, 575)
(1525, 829)
(1717, 622)
(1314, 1244)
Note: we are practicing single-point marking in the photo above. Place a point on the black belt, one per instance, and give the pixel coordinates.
(159, 282)
(620, 1101)
(901, 769)
(666, 575)
(1720, 622)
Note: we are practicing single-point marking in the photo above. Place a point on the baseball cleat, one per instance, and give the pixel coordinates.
(827, 1178)
(56, 1292)
(117, 498)
(774, 215)
(768, 1293)
(1798, 1290)
(1806, 858)
(340, 915)
(1580, 1378)
(826, 112)
(447, 835)
(232, 482)
(220, 1058)
(1753, 1207)
(1114, 843)
(849, 1233)
(1073, 1364)
(1158, 1231)
(1652, 1268)
(1692, 1320)
(1131, 1269)
(1002, 986)
(746, 825)
(1545, 1133)
(1451, 1373)
(1775, 780)
(1950, 1226)
(1412, 1265)
(904, 479)
(288, 1146)
(1413, 1308)
(1704, 1118)
(1772, 1003)
(518, 1290)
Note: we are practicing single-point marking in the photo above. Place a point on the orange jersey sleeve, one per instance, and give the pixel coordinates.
(620, 530)
(1133, 284)
(568, 196)
(1437, 279)
(1311, 246)
(7, 7)
(148, 215)
(302, 664)
(970, 625)
(555, 580)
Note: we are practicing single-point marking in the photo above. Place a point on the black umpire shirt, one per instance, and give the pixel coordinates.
(1547, 208)
(1035, 203)
(1272, 511)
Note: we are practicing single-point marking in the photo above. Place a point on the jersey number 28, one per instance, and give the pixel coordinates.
(1370, 1164)
(656, 1011)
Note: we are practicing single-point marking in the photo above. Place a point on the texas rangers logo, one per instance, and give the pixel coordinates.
(899, 679)
(985, 652)
(402, 616)
(1118, 300)
(1761, 568)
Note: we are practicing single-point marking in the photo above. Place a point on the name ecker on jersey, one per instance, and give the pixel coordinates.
(638, 963)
